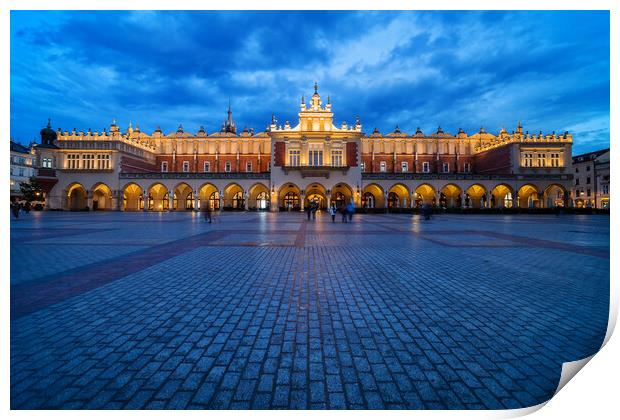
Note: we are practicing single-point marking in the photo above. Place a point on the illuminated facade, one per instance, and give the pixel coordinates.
(286, 166)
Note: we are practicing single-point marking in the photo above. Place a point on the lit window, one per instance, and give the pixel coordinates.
(185, 166)
(555, 160)
(527, 160)
(382, 166)
(404, 167)
(227, 167)
(164, 166)
(426, 167)
(293, 157)
(336, 157)
(363, 166)
(541, 160)
(46, 162)
(315, 155)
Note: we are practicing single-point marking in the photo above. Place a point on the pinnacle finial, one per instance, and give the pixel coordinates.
(302, 99)
(316, 87)
(49, 123)
(328, 100)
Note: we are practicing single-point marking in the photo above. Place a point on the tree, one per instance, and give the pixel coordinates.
(31, 190)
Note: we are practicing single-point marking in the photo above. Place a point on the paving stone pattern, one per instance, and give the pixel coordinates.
(270, 311)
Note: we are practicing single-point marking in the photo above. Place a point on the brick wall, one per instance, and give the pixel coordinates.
(494, 161)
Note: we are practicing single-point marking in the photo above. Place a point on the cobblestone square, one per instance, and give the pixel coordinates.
(113, 310)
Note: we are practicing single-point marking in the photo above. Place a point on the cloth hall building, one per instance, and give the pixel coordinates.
(287, 166)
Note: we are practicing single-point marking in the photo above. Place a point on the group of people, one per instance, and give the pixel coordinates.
(346, 210)
(16, 207)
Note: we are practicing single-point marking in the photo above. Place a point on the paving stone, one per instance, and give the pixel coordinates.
(163, 312)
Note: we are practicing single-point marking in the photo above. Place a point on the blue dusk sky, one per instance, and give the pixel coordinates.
(549, 70)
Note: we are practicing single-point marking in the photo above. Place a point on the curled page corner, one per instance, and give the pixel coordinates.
(570, 369)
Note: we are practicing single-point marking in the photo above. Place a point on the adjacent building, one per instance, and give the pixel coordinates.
(591, 179)
(288, 165)
(22, 168)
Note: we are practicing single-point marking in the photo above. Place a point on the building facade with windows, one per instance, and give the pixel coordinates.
(22, 167)
(591, 178)
(287, 166)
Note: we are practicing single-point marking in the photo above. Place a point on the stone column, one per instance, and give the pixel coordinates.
(89, 199)
(145, 197)
(170, 200)
(119, 200)
(196, 201)
(246, 200)
(302, 198)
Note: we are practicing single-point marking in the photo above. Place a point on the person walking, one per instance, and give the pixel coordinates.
(350, 210)
(343, 210)
(15, 209)
(315, 207)
(332, 212)
(207, 212)
(309, 210)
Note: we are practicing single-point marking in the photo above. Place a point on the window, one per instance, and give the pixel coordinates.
(103, 161)
(248, 167)
(588, 192)
(46, 163)
(426, 167)
(207, 167)
(382, 166)
(227, 167)
(164, 166)
(73, 161)
(587, 168)
(88, 161)
(540, 162)
(21, 171)
(605, 189)
(185, 166)
(336, 157)
(588, 180)
(291, 201)
(238, 202)
(467, 167)
(363, 166)
(262, 201)
(528, 160)
(293, 157)
(576, 181)
(214, 201)
(315, 155)
(555, 160)
(576, 170)
(577, 193)
(404, 167)
(446, 168)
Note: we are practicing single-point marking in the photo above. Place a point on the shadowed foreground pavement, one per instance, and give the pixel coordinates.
(146, 310)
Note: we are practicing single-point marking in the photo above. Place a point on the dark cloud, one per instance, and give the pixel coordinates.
(457, 69)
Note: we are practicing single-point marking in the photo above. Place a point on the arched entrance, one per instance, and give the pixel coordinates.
(132, 198)
(259, 197)
(76, 197)
(555, 196)
(209, 195)
(102, 197)
(450, 196)
(234, 197)
(398, 197)
(289, 197)
(158, 198)
(316, 193)
(502, 196)
(475, 196)
(528, 197)
(372, 197)
(424, 194)
(341, 194)
(183, 198)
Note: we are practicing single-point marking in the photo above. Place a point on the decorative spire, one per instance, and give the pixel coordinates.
(316, 88)
(302, 100)
(49, 123)
(328, 100)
